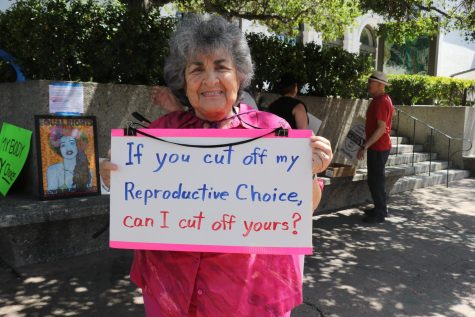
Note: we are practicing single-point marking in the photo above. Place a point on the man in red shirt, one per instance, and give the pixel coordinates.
(378, 144)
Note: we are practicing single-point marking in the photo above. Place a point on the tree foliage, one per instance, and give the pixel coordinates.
(327, 71)
(104, 42)
(407, 19)
(85, 40)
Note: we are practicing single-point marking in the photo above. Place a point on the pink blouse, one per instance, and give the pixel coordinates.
(219, 284)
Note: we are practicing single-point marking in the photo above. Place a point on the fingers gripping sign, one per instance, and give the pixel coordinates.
(322, 153)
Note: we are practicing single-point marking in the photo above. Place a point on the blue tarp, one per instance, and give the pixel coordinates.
(11, 60)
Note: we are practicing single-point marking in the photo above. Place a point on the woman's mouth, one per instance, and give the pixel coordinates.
(212, 93)
(69, 152)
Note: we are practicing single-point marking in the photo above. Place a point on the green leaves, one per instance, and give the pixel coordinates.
(284, 17)
(409, 19)
(86, 40)
(423, 90)
(329, 71)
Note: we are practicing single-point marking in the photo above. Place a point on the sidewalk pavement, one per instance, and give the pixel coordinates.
(420, 262)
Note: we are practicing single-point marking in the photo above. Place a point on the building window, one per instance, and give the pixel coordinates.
(409, 58)
(368, 41)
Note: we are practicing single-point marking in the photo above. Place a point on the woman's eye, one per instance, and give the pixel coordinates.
(222, 68)
(195, 70)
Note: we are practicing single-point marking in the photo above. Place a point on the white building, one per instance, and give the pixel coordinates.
(446, 55)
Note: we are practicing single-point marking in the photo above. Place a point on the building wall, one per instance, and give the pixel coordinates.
(248, 26)
(457, 122)
(455, 55)
(351, 42)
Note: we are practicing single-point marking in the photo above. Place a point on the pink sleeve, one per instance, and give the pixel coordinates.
(321, 184)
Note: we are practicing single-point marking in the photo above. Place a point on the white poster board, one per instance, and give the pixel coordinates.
(254, 197)
(66, 98)
(314, 123)
(353, 141)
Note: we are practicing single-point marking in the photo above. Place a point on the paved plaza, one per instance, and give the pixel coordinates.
(420, 262)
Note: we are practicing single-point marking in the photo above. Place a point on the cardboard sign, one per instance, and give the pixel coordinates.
(14, 148)
(66, 98)
(353, 141)
(314, 123)
(254, 197)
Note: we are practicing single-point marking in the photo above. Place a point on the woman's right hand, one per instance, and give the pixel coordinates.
(105, 168)
(165, 99)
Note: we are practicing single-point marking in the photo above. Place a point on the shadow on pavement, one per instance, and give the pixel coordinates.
(90, 286)
(421, 262)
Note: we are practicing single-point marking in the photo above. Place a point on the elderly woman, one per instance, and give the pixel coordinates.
(209, 65)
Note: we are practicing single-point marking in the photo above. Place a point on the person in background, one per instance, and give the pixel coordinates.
(379, 118)
(208, 67)
(287, 106)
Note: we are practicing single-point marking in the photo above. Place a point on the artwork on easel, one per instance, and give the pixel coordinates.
(67, 156)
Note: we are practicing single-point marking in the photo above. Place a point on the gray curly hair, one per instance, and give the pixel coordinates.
(204, 34)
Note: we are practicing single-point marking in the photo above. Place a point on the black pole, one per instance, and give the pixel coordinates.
(448, 163)
(397, 133)
(413, 141)
(430, 149)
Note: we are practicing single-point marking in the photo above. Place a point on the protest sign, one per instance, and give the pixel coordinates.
(66, 98)
(254, 197)
(354, 140)
(14, 148)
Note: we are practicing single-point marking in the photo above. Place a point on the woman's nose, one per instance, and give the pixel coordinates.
(211, 77)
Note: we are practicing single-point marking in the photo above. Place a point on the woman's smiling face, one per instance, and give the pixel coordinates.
(212, 85)
(68, 147)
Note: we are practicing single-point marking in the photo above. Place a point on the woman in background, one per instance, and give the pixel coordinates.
(287, 106)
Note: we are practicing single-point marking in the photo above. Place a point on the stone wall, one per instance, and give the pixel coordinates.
(337, 115)
(457, 122)
(111, 104)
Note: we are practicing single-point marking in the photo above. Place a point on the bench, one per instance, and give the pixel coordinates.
(33, 231)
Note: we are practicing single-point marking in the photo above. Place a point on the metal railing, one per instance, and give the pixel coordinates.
(432, 129)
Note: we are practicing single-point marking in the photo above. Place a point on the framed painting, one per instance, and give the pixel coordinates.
(67, 156)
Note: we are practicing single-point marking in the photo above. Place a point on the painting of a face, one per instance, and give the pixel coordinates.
(68, 147)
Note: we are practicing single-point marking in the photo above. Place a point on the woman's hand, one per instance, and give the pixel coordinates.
(165, 99)
(105, 168)
(322, 153)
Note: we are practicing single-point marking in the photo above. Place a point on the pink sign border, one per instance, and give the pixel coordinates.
(208, 248)
(217, 133)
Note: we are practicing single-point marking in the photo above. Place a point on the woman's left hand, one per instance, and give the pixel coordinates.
(322, 153)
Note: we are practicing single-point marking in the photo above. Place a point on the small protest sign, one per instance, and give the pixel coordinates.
(353, 141)
(254, 197)
(66, 98)
(14, 148)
